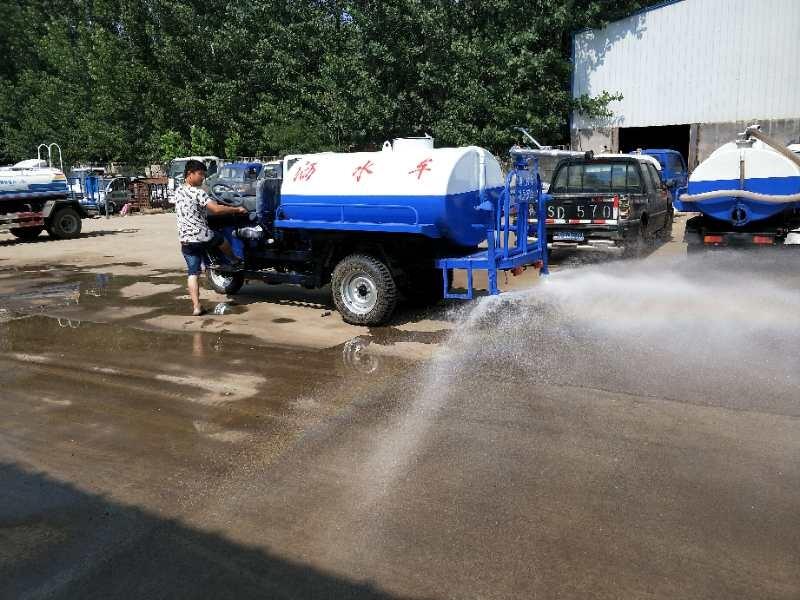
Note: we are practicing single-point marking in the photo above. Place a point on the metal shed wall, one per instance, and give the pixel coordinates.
(694, 61)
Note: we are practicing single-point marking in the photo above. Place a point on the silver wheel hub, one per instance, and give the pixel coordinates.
(359, 293)
(220, 279)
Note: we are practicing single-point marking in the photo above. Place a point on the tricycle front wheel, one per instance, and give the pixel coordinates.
(225, 283)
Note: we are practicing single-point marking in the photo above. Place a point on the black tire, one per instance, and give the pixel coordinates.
(64, 224)
(635, 243)
(363, 290)
(225, 283)
(26, 233)
(666, 233)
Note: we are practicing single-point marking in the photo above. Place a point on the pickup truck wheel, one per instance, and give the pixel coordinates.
(635, 243)
(363, 290)
(666, 233)
(26, 233)
(64, 224)
(225, 283)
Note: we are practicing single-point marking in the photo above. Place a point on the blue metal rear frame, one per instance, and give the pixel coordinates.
(500, 255)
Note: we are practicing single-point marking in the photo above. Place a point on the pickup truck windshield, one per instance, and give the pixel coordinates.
(597, 177)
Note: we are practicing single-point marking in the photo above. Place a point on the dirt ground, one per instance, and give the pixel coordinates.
(138, 261)
(622, 429)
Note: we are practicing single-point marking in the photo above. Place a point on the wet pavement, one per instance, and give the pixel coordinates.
(624, 430)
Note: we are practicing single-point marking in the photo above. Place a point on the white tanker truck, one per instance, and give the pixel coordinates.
(747, 193)
(34, 196)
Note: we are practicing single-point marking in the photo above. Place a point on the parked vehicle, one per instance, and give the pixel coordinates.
(97, 193)
(177, 165)
(747, 193)
(608, 200)
(673, 167)
(547, 157)
(34, 196)
(378, 226)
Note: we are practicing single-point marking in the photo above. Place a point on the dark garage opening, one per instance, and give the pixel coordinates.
(675, 137)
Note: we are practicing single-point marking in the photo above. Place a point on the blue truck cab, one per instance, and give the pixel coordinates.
(673, 167)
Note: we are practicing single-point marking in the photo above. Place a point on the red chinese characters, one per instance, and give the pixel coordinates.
(421, 168)
(305, 172)
(362, 170)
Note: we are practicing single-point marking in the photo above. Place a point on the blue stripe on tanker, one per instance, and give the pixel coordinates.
(721, 208)
(454, 216)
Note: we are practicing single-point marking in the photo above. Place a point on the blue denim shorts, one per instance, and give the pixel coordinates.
(196, 253)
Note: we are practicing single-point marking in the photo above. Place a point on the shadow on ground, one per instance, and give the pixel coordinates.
(57, 541)
(46, 238)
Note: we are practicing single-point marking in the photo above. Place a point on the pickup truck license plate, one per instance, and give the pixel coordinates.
(568, 236)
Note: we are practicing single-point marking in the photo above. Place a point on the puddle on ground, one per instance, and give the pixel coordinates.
(115, 396)
(71, 293)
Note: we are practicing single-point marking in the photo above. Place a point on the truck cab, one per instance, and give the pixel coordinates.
(608, 200)
(240, 180)
(177, 165)
(673, 167)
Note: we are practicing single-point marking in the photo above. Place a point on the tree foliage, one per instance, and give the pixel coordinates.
(139, 80)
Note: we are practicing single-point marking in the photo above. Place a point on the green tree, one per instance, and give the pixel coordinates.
(232, 144)
(201, 141)
(108, 78)
(171, 145)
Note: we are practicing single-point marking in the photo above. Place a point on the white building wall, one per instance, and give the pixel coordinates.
(694, 61)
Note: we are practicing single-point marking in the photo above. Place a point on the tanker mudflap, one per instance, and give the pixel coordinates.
(48, 208)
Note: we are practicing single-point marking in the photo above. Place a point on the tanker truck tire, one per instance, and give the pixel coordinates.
(363, 290)
(64, 224)
(225, 283)
(26, 233)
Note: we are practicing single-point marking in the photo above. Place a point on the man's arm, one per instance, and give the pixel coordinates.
(214, 208)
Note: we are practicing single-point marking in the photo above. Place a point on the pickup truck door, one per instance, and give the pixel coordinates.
(657, 198)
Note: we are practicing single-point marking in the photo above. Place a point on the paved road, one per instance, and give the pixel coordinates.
(628, 430)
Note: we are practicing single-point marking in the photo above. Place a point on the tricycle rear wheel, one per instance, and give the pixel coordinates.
(363, 289)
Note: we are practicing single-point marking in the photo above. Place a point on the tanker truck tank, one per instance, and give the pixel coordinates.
(416, 189)
(32, 180)
(747, 191)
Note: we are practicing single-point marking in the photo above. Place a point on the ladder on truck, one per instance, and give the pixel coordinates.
(510, 214)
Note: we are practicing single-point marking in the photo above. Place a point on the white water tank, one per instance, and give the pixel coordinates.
(409, 144)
